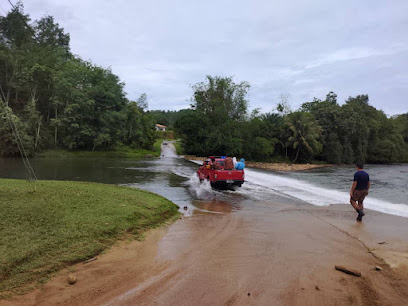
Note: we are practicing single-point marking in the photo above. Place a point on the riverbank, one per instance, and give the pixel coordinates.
(285, 166)
(124, 152)
(49, 225)
(282, 253)
(271, 166)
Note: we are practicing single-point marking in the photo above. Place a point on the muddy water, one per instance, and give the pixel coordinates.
(259, 244)
(169, 176)
(175, 179)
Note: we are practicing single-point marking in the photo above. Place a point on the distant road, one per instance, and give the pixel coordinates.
(168, 150)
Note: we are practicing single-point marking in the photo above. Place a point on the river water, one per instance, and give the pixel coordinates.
(175, 179)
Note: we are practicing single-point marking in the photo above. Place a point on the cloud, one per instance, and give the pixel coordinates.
(349, 54)
(305, 48)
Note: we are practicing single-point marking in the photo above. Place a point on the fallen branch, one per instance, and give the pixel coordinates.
(348, 271)
(90, 260)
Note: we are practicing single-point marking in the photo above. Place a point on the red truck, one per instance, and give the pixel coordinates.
(220, 171)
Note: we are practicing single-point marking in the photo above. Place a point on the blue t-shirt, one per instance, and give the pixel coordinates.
(362, 178)
(239, 166)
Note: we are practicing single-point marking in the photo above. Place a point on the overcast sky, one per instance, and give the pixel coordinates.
(299, 48)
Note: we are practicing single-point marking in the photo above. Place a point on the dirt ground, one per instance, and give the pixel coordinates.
(270, 166)
(274, 255)
(285, 166)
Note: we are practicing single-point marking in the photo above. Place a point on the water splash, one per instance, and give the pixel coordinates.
(202, 190)
(260, 183)
(316, 195)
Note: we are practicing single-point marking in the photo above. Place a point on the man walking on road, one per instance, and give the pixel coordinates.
(359, 190)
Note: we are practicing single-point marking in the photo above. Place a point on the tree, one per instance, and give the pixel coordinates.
(53, 98)
(13, 134)
(327, 114)
(219, 107)
(221, 98)
(33, 121)
(332, 149)
(304, 133)
(192, 128)
(142, 101)
(284, 106)
(167, 118)
(49, 34)
(13, 30)
(56, 98)
(139, 127)
(401, 124)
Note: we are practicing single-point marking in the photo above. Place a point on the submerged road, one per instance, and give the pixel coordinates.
(280, 255)
(257, 246)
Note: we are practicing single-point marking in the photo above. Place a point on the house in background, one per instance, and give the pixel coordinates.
(160, 127)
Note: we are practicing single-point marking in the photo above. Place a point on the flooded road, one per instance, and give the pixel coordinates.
(262, 244)
(170, 176)
(175, 179)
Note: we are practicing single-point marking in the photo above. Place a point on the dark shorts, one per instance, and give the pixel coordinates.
(359, 195)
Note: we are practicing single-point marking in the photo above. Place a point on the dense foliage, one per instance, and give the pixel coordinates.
(164, 117)
(51, 98)
(218, 123)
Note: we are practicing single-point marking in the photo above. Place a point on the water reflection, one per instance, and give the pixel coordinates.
(216, 206)
(173, 178)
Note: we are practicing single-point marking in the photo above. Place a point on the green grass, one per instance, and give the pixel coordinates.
(157, 146)
(179, 148)
(48, 225)
(122, 152)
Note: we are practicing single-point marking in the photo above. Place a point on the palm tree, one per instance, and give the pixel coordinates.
(304, 132)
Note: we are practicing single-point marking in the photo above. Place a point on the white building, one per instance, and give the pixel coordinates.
(160, 127)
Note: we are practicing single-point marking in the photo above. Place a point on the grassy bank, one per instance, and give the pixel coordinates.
(157, 146)
(179, 147)
(124, 152)
(48, 225)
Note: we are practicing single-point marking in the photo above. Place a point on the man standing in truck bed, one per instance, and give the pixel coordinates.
(359, 190)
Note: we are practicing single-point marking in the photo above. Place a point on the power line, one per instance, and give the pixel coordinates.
(30, 171)
(22, 18)
(24, 156)
(8, 113)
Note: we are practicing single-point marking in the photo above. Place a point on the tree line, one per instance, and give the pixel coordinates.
(219, 123)
(51, 98)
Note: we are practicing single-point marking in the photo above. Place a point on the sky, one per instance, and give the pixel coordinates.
(296, 49)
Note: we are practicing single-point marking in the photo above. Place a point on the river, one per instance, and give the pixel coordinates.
(174, 178)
